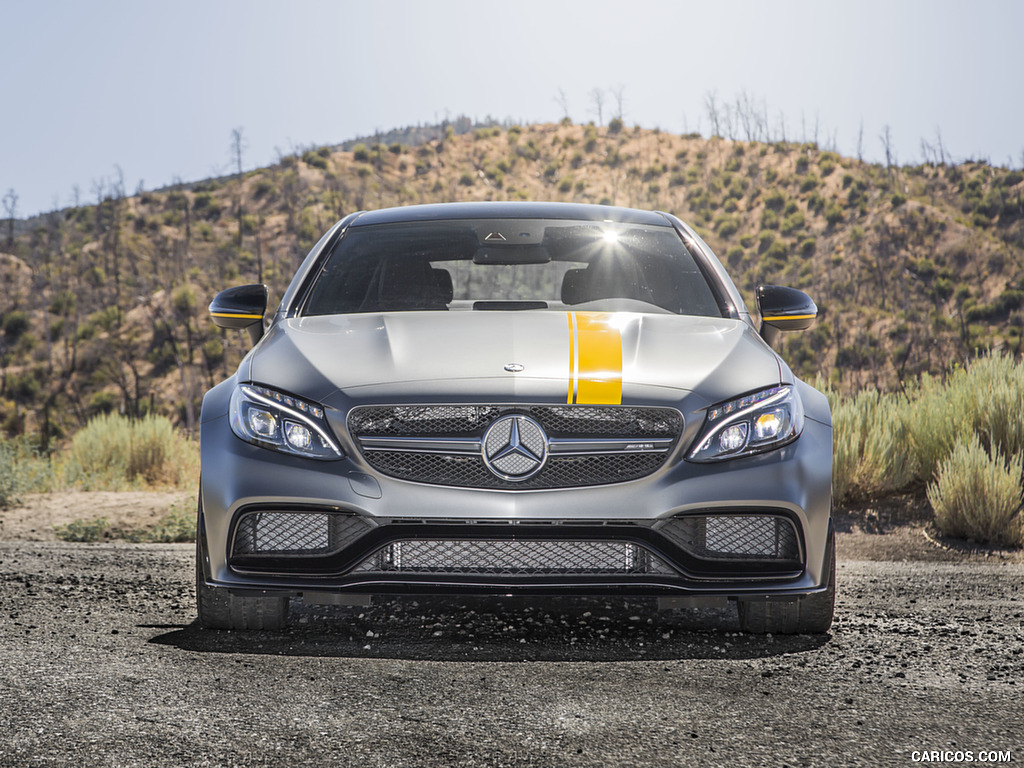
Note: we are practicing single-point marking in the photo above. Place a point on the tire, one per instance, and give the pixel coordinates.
(811, 615)
(219, 609)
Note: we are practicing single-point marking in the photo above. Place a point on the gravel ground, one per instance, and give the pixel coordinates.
(101, 665)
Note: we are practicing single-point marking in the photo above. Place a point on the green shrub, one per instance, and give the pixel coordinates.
(774, 199)
(810, 183)
(833, 212)
(84, 530)
(177, 525)
(10, 480)
(314, 159)
(977, 495)
(792, 223)
(727, 226)
(777, 251)
(15, 324)
(360, 153)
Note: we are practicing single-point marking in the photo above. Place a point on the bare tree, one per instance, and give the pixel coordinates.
(712, 108)
(928, 153)
(597, 100)
(563, 102)
(782, 127)
(11, 208)
(747, 115)
(860, 142)
(238, 146)
(939, 146)
(728, 124)
(618, 93)
(890, 153)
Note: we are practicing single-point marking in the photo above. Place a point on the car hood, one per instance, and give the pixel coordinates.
(530, 356)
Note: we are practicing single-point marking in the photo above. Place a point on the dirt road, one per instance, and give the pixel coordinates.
(101, 665)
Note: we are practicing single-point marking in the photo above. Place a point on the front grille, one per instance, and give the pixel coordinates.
(557, 420)
(645, 437)
(296, 533)
(514, 558)
(747, 537)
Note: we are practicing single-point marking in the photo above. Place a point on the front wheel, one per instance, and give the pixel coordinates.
(811, 615)
(219, 609)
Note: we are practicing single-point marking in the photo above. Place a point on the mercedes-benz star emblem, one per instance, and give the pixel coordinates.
(515, 448)
(515, 367)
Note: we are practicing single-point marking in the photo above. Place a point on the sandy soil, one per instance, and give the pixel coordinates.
(38, 513)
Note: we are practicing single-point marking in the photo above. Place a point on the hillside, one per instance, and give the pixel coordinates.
(913, 268)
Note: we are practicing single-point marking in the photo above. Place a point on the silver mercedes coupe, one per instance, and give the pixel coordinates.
(515, 399)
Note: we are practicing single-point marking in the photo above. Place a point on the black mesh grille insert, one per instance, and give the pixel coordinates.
(559, 472)
(514, 558)
(734, 537)
(421, 420)
(296, 533)
(560, 422)
(471, 420)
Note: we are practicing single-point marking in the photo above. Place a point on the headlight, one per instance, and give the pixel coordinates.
(281, 422)
(759, 422)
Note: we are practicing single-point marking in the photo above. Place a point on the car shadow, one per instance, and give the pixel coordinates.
(512, 630)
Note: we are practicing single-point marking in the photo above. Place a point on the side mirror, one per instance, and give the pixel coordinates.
(783, 309)
(241, 307)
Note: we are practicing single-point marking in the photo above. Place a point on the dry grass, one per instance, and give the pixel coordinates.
(113, 453)
(953, 436)
(977, 495)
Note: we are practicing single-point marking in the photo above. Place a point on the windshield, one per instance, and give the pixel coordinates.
(513, 264)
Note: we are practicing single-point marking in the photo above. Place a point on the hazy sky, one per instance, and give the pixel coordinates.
(157, 87)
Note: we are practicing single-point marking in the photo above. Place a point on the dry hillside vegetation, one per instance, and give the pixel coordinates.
(103, 306)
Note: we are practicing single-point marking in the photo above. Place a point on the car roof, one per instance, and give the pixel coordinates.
(509, 210)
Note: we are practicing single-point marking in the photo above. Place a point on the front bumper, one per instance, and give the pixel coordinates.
(239, 479)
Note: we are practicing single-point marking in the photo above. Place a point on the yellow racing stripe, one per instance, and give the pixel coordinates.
(595, 359)
(571, 317)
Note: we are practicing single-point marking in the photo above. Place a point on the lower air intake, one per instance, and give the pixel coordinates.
(771, 538)
(515, 558)
(296, 533)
